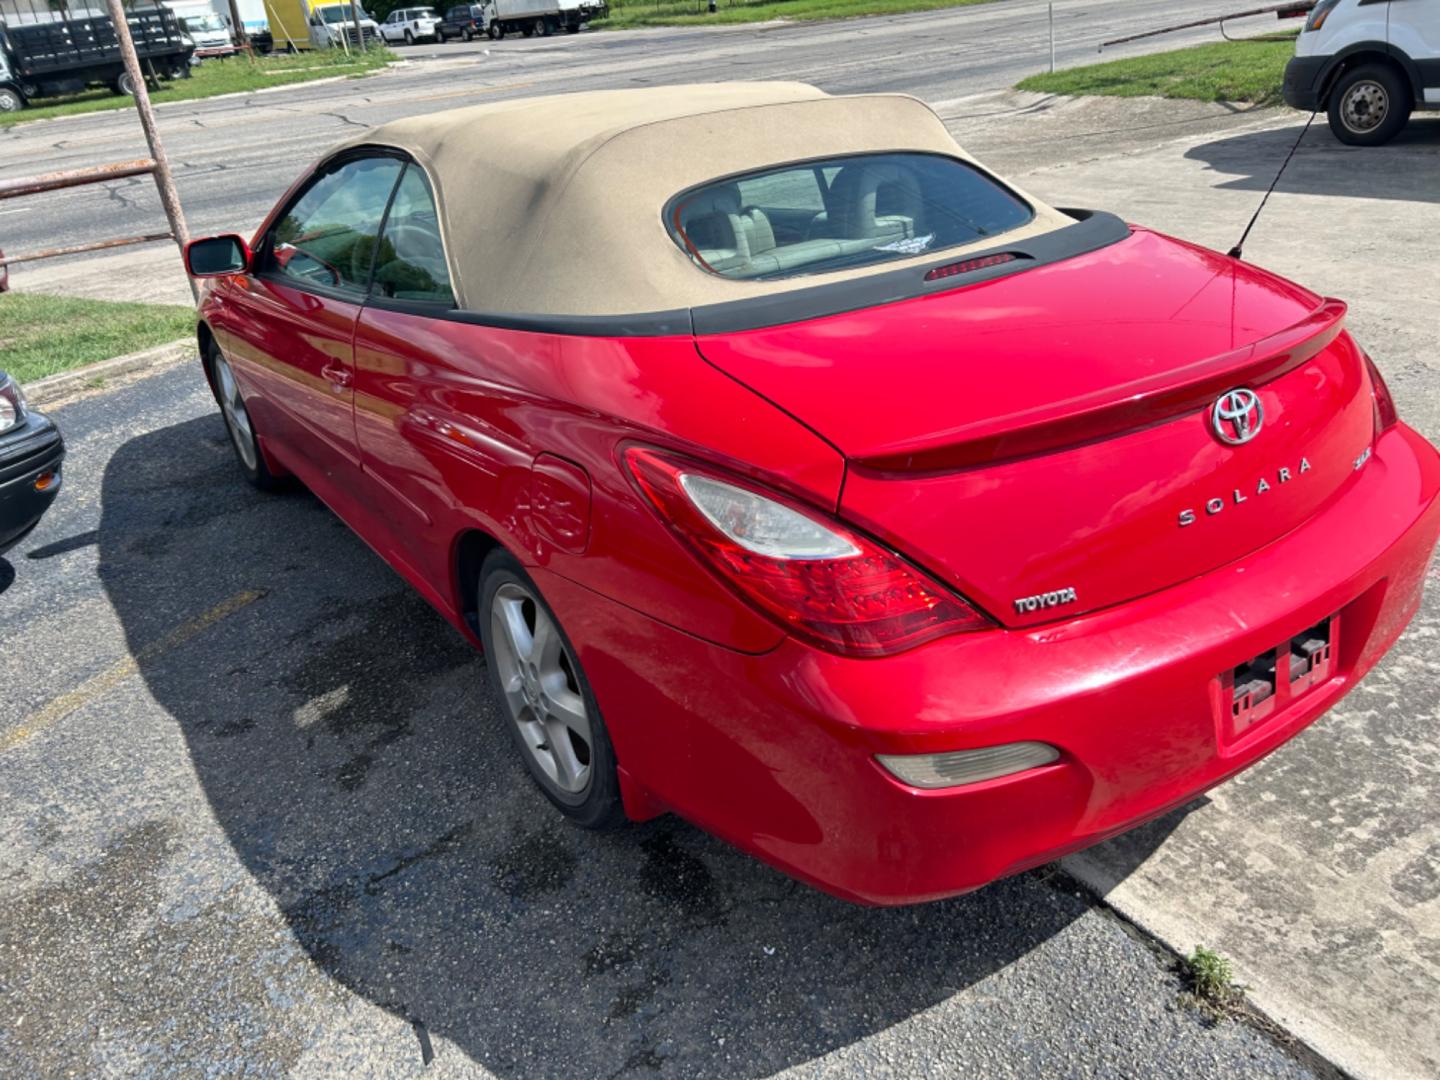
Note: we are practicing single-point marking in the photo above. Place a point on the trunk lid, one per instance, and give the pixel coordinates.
(1047, 442)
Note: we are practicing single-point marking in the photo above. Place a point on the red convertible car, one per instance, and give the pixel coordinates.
(799, 476)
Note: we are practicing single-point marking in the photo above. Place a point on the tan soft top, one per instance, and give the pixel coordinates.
(553, 205)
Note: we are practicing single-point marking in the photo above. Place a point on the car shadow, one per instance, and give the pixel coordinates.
(1404, 169)
(339, 731)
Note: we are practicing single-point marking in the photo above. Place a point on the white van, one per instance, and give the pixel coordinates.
(1369, 63)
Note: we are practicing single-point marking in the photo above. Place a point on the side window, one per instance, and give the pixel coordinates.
(328, 236)
(410, 263)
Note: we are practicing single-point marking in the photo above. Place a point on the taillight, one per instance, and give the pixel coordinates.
(1385, 415)
(821, 581)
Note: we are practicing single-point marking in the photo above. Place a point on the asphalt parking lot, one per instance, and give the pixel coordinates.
(258, 816)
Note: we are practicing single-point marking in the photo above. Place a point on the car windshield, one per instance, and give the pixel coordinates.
(339, 13)
(198, 23)
(840, 213)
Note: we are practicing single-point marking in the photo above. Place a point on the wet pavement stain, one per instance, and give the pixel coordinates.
(675, 876)
(364, 685)
(536, 865)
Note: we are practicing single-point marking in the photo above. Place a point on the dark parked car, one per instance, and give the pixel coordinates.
(461, 21)
(31, 451)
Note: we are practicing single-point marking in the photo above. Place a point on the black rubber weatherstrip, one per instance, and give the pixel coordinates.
(1093, 230)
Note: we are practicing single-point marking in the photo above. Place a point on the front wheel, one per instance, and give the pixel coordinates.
(545, 699)
(123, 84)
(1369, 105)
(469, 37)
(496, 31)
(10, 100)
(239, 424)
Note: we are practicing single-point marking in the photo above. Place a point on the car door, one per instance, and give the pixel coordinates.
(1414, 29)
(297, 315)
(412, 392)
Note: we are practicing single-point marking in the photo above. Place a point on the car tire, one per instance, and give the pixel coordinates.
(526, 650)
(238, 424)
(469, 37)
(496, 31)
(409, 38)
(123, 84)
(10, 100)
(1369, 105)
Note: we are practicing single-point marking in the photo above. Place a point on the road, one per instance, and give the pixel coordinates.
(235, 156)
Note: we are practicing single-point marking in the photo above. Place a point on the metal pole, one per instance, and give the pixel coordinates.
(1052, 39)
(359, 34)
(238, 33)
(164, 181)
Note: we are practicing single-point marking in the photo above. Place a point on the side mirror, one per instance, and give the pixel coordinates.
(216, 256)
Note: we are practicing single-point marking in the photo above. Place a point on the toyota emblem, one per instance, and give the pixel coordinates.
(1237, 416)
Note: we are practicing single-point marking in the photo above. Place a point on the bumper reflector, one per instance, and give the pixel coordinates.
(959, 767)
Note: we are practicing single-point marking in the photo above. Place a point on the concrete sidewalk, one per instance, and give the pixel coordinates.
(1318, 871)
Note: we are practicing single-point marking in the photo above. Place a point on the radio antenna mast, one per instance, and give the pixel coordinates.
(1239, 249)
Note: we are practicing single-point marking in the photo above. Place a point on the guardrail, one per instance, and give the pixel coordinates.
(56, 181)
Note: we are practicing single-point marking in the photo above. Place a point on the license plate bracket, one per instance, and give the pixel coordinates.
(1255, 691)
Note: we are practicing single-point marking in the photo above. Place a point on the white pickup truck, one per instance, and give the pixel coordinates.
(1369, 64)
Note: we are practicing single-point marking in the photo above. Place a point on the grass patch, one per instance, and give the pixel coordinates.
(40, 335)
(1210, 984)
(629, 13)
(228, 76)
(1249, 71)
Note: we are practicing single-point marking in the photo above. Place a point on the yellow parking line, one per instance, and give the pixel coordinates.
(97, 685)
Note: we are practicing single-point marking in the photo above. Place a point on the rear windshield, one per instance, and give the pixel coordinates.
(839, 213)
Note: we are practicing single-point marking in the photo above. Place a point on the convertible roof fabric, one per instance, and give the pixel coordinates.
(553, 205)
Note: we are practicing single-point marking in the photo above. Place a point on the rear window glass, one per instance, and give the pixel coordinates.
(840, 213)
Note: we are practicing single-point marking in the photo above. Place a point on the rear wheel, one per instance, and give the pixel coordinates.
(239, 424)
(409, 38)
(545, 698)
(1369, 105)
(123, 84)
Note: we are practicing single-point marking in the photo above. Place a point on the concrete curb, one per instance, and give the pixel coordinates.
(65, 383)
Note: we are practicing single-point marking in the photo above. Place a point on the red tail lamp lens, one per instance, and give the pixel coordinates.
(1385, 415)
(822, 582)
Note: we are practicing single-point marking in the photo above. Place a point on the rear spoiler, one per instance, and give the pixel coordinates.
(1114, 410)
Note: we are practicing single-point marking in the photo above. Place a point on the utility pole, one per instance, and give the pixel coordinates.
(359, 33)
(164, 181)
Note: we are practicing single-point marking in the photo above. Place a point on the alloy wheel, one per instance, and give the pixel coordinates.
(1365, 107)
(232, 406)
(537, 677)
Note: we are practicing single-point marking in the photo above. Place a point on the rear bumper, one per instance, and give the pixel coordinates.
(775, 752)
(1303, 75)
(25, 455)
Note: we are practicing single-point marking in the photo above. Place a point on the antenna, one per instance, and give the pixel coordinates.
(1238, 250)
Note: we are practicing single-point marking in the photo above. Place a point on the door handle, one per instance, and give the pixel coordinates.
(337, 375)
